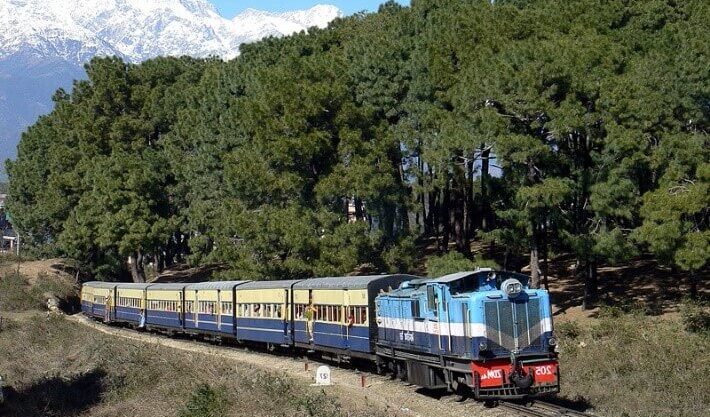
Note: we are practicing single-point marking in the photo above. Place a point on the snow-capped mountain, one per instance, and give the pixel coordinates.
(44, 43)
(140, 29)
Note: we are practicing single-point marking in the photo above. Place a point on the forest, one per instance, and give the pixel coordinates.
(533, 127)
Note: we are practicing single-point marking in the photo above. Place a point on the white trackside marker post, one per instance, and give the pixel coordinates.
(323, 375)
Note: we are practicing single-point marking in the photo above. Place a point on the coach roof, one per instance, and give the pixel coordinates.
(265, 285)
(166, 287)
(133, 285)
(100, 284)
(215, 285)
(357, 282)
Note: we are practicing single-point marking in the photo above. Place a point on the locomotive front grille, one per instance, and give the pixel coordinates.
(513, 325)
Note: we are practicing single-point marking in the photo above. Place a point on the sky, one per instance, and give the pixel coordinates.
(230, 8)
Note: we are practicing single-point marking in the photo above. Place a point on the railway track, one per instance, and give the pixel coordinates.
(534, 409)
(542, 409)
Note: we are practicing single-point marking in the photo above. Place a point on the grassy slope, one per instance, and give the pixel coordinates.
(627, 364)
(622, 364)
(59, 368)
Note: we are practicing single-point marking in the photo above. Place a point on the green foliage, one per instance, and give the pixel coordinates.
(401, 258)
(567, 126)
(451, 262)
(568, 330)
(206, 402)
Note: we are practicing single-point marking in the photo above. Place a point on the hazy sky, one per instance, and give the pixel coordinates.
(230, 8)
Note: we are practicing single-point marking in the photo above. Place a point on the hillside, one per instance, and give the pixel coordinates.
(614, 359)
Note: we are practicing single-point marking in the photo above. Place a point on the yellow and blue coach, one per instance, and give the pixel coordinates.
(263, 312)
(130, 303)
(97, 299)
(209, 307)
(164, 306)
(337, 314)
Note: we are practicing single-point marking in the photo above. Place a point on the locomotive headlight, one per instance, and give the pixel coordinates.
(483, 345)
(512, 287)
(552, 341)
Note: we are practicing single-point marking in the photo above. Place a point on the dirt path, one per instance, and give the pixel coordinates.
(399, 399)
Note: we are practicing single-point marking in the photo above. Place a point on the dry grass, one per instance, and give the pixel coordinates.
(59, 368)
(629, 364)
(19, 293)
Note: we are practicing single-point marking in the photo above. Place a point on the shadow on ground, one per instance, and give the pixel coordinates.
(55, 396)
(578, 403)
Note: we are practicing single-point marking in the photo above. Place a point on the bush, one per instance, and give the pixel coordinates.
(206, 402)
(696, 316)
(568, 330)
(456, 262)
(448, 263)
(401, 257)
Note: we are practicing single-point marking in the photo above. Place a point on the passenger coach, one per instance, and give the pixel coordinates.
(209, 307)
(263, 312)
(337, 313)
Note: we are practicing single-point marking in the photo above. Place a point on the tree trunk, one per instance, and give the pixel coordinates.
(470, 205)
(545, 262)
(485, 204)
(459, 185)
(445, 218)
(590, 285)
(534, 259)
(430, 226)
(135, 264)
(693, 285)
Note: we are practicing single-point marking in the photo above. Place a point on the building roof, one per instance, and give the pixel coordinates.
(215, 285)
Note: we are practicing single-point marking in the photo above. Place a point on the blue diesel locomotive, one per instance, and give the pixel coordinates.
(483, 332)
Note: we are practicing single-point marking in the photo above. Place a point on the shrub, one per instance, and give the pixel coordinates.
(448, 263)
(456, 262)
(206, 402)
(696, 316)
(568, 330)
(401, 257)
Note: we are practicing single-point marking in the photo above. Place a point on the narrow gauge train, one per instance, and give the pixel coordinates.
(481, 332)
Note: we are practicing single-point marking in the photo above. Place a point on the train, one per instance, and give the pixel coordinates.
(483, 333)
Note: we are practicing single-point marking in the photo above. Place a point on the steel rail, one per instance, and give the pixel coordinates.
(564, 411)
(523, 410)
(543, 409)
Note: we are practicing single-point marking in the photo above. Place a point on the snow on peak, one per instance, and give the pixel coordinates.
(76, 30)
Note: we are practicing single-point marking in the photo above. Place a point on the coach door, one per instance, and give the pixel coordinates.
(285, 316)
(180, 309)
(465, 341)
(346, 319)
